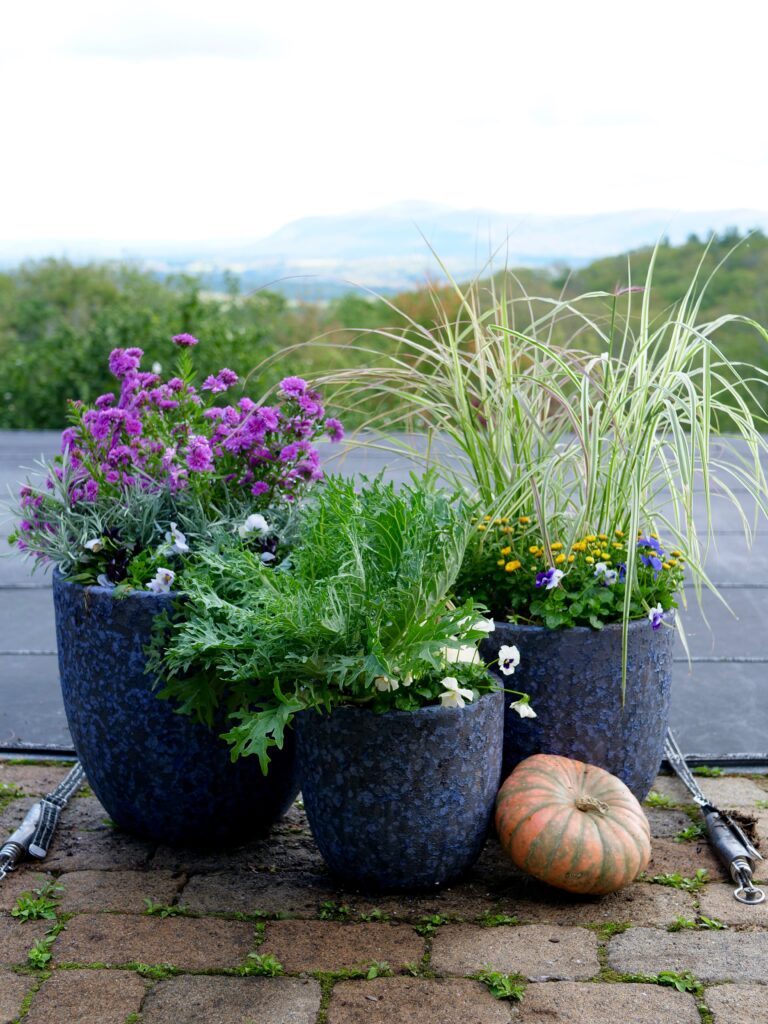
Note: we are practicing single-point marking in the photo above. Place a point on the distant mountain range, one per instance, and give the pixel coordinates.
(388, 249)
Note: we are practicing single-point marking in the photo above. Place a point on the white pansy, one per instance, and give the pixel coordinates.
(176, 541)
(454, 696)
(509, 659)
(408, 679)
(95, 544)
(608, 576)
(104, 581)
(255, 523)
(162, 582)
(267, 556)
(465, 654)
(480, 626)
(523, 708)
(385, 685)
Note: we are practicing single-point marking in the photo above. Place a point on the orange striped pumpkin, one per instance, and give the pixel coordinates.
(572, 825)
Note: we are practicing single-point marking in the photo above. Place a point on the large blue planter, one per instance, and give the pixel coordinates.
(401, 800)
(573, 677)
(159, 774)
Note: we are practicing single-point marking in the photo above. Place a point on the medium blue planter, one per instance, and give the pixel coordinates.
(401, 800)
(159, 774)
(573, 677)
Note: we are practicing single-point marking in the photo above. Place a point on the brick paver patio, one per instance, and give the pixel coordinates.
(220, 920)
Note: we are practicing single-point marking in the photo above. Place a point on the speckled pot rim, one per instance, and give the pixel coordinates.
(96, 588)
(428, 709)
(612, 627)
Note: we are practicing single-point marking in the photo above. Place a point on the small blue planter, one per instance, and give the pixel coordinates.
(401, 800)
(573, 677)
(159, 774)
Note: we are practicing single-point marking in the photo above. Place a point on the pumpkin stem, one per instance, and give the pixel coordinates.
(589, 803)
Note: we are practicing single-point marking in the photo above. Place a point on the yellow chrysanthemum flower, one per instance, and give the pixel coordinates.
(506, 551)
(557, 546)
(524, 520)
(559, 559)
(511, 566)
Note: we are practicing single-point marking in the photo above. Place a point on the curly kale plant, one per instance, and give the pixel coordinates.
(361, 617)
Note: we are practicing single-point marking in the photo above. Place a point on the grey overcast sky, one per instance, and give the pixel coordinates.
(184, 120)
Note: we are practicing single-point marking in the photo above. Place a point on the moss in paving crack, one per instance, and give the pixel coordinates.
(167, 910)
(27, 1000)
(9, 792)
(491, 920)
(132, 1018)
(607, 929)
(375, 915)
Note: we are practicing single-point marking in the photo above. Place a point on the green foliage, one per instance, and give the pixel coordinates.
(711, 923)
(681, 923)
(677, 881)
(694, 832)
(163, 910)
(331, 911)
(40, 954)
(375, 915)
(264, 964)
(40, 905)
(707, 772)
(378, 969)
(502, 986)
(655, 799)
(429, 923)
(683, 982)
(362, 617)
(761, 805)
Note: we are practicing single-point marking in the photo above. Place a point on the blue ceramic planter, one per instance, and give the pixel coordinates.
(158, 774)
(573, 677)
(401, 800)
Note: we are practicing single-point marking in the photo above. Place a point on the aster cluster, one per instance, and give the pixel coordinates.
(176, 440)
(513, 571)
(171, 435)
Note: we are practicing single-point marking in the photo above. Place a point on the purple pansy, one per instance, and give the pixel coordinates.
(652, 553)
(656, 615)
(549, 578)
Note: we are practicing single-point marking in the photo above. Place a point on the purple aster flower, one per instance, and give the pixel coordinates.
(213, 384)
(124, 361)
(291, 451)
(335, 429)
(549, 578)
(91, 490)
(260, 487)
(311, 406)
(293, 387)
(199, 455)
(104, 401)
(68, 438)
(185, 340)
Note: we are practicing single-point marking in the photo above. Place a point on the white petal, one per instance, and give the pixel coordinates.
(523, 708)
